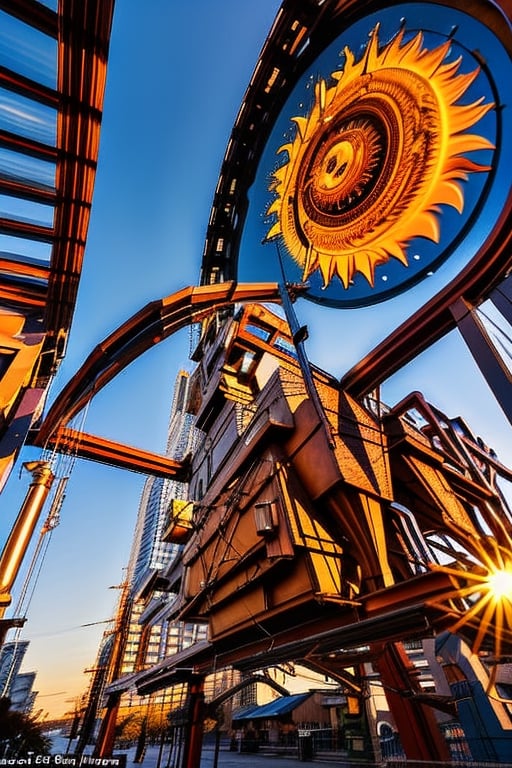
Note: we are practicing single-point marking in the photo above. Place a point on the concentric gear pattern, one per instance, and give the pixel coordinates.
(380, 151)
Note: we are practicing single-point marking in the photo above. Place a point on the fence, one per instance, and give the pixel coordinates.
(393, 755)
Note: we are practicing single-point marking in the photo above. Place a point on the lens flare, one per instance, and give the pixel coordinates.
(480, 603)
(500, 584)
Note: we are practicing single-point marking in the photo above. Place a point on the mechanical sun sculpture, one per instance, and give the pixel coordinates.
(379, 152)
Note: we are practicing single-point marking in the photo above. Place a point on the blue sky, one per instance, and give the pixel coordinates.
(177, 74)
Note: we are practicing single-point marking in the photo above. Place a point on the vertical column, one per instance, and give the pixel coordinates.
(416, 723)
(105, 742)
(22, 530)
(194, 728)
(501, 297)
(106, 736)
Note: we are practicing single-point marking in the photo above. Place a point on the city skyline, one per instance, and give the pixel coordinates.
(172, 212)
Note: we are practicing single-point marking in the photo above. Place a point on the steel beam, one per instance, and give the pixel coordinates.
(491, 365)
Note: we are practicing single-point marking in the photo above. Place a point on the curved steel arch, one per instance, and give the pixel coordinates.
(488, 269)
(256, 678)
(155, 322)
(298, 36)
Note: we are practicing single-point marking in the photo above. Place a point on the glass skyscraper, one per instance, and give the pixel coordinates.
(146, 635)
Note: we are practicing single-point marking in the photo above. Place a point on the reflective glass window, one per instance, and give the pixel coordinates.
(27, 51)
(285, 346)
(27, 118)
(27, 169)
(21, 248)
(25, 210)
(259, 332)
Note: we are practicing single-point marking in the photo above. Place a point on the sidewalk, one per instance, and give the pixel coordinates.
(227, 759)
(154, 757)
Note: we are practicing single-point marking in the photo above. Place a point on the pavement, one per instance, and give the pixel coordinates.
(228, 759)
(154, 757)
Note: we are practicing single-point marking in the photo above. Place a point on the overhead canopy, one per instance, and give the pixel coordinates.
(277, 708)
(52, 84)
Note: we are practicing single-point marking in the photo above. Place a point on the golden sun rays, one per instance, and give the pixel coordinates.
(480, 602)
(380, 151)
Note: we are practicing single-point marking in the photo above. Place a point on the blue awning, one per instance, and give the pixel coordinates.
(282, 706)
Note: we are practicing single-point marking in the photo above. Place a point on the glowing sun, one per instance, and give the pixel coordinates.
(480, 602)
(378, 154)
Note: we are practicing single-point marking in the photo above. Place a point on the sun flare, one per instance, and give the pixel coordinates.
(500, 584)
(480, 602)
(378, 154)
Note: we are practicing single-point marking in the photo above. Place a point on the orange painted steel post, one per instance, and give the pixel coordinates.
(416, 723)
(106, 736)
(22, 530)
(195, 725)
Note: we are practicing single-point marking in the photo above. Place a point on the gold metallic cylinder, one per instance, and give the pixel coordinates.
(22, 530)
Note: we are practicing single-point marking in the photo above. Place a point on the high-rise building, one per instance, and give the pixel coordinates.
(147, 640)
(150, 554)
(14, 685)
(146, 636)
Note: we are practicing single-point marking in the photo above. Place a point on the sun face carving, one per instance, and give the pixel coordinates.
(380, 151)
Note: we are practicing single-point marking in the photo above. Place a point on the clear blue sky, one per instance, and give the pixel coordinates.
(177, 74)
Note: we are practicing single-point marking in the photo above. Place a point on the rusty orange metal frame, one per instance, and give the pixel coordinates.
(83, 33)
(41, 292)
(384, 616)
(435, 319)
(95, 448)
(155, 322)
